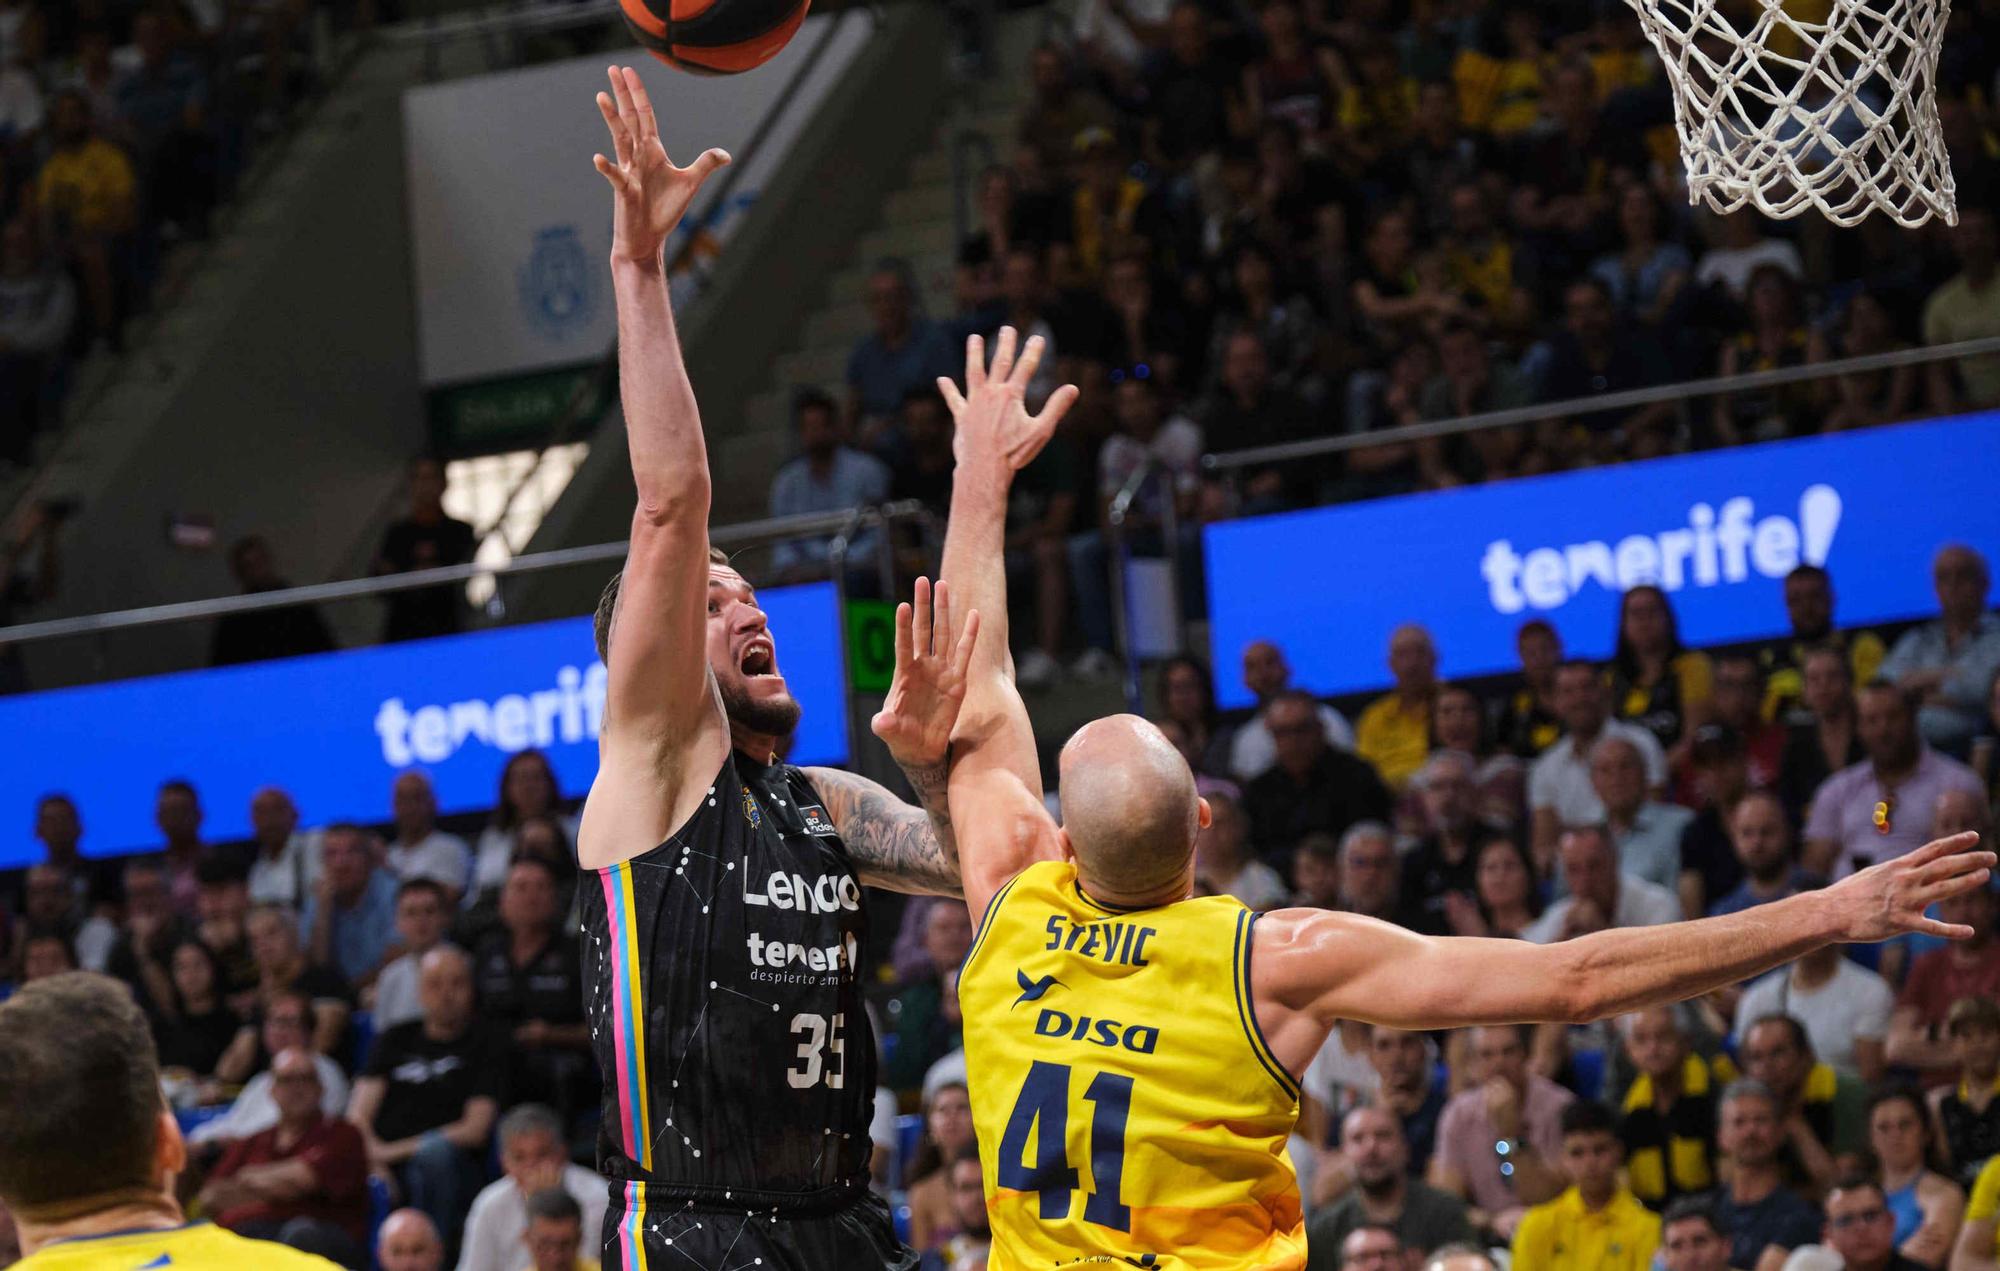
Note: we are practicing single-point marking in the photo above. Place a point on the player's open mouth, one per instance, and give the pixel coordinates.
(758, 660)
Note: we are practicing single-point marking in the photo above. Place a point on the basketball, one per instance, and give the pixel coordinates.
(714, 37)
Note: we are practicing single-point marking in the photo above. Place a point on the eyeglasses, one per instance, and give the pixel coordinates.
(1866, 1218)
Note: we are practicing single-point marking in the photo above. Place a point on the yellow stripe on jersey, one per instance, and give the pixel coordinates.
(198, 1247)
(1127, 1105)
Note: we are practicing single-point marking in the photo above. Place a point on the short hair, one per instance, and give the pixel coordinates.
(179, 785)
(270, 909)
(1609, 740)
(1857, 1181)
(1366, 830)
(1587, 1116)
(553, 1204)
(1882, 684)
(607, 606)
(519, 859)
(806, 399)
(530, 1118)
(970, 1152)
(299, 996)
(1446, 1253)
(1790, 1023)
(219, 870)
(75, 1051)
(1440, 759)
(54, 796)
(1693, 1209)
(419, 886)
(1810, 571)
(1381, 1227)
(1585, 665)
(1319, 845)
(1747, 1088)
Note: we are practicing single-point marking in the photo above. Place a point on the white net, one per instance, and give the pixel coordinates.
(1811, 103)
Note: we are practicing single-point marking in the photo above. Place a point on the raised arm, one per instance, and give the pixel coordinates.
(660, 711)
(1312, 967)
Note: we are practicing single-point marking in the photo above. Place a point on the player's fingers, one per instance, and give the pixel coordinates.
(1944, 930)
(902, 635)
(1003, 355)
(953, 399)
(707, 163)
(642, 105)
(1954, 865)
(610, 171)
(1031, 358)
(1940, 847)
(920, 627)
(881, 724)
(961, 658)
(975, 363)
(1945, 888)
(621, 140)
(1056, 407)
(940, 618)
(623, 101)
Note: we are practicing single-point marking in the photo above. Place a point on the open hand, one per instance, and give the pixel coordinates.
(929, 685)
(652, 193)
(1889, 899)
(992, 413)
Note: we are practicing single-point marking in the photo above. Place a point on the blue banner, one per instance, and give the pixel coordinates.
(1717, 531)
(334, 729)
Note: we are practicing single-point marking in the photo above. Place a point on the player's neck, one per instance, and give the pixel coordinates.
(1179, 888)
(133, 1211)
(763, 747)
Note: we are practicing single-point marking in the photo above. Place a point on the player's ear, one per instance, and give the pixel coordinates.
(1205, 817)
(169, 1148)
(1068, 848)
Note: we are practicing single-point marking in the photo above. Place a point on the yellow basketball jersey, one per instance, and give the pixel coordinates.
(1127, 1107)
(195, 1247)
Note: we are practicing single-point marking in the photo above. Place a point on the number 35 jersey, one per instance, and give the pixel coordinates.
(721, 985)
(1127, 1108)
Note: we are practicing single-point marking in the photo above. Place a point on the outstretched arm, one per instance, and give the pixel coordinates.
(661, 712)
(1312, 967)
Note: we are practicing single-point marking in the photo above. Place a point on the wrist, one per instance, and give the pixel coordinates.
(639, 269)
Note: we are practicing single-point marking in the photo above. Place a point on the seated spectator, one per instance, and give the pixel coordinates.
(41, 955)
(527, 790)
(303, 1181)
(426, 537)
(947, 1134)
(1823, 1112)
(177, 812)
(1692, 1238)
(1958, 812)
(1773, 337)
(1968, 1114)
(1529, 721)
(969, 1247)
(1560, 792)
(554, 1233)
(1368, 877)
(1966, 307)
(1059, 109)
(1191, 90)
(529, 978)
(409, 1241)
(1385, 1196)
(1926, 1206)
(1667, 1121)
(1809, 602)
(1646, 833)
(1844, 1007)
(352, 913)
(1863, 399)
(87, 195)
(1948, 665)
(1458, 722)
(281, 964)
(1403, 1080)
(1472, 381)
(1442, 863)
(1313, 786)
(146, 940)
(1755, 1206)
(1598, 1223)
(1825, 737)
(1267, 674)
(1266, 305)
(1459, 1258)
(1721, 780)
(1339, 1079)
(1963, 968)
(50, 906)
(425, 1103)
(1860, 1227)
(423, 915)
(918, 451)
(904, 352)
(286, 1026)
(1657, 682)
(37, 319)
(199, 1026)
(827, 476)
(1593, 356)
(1646, 276)
(163, 104)
(257, 634)
(533, 1161)
(1394, 732)
(1249, 409)
(284, 864)
(1224, 863)
(1316, 870)
(1739, 248)
(1508, 1105)
(1148, 330)
(1978, 1246)
(1738, 703)
(1187, 699)
(1506, 898)
(418, 848)
(1600, 896)
(1885, 805)
(927, 1025)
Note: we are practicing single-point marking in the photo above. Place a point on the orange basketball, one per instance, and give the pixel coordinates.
(714, 37)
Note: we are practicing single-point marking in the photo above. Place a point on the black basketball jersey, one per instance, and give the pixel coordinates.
(725, 1006)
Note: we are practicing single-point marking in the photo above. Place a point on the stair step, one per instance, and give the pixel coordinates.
(816, 368)
(837, 326)
(919, 242)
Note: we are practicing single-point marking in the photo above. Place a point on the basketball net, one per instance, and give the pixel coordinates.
(1813, 103)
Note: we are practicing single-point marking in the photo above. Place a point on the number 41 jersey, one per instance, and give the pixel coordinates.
(1127, 1108)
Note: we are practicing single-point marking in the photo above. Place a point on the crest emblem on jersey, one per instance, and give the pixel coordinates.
(751, 812)
(817, 821)
(557, 285)
(1033, 990)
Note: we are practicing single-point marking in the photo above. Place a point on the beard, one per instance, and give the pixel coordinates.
(773, 716)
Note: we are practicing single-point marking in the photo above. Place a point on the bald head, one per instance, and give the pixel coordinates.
(1130, 810)
(409, 1241)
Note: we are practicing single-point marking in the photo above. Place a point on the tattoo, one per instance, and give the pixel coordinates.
(892, 844)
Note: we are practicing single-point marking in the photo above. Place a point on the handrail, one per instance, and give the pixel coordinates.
(745, 533)
(1713, 385)
(547, 17)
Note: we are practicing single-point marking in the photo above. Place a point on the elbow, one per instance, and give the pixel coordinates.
(679, 499)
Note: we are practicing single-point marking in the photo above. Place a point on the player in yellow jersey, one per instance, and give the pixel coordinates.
(1133, 1053)
(89, 1149)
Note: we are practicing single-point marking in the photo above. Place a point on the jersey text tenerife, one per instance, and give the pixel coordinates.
(1127, 1107)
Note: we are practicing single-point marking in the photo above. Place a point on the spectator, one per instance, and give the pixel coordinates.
(1963, 968)
(1598, 1223)
(1472, 381)
(1755, 1207)
(1560, 792)
(1646, 276)
(1368, 877)
(1646, 833)
(1828, 739)
(1147, 331)
(163, 104)
(927, 1022)
(418, 848)
(1844, 1007)
(1530, 721)
(281, 964)
(1884, 806)
(1968, 1114)
(1738, 703)
(1249, 409)
(1187, 700)
(1925, 1205)
(1592, 356)
(1948, 665)
(1600, 895)
(1656, 681)
(37, 319)
(1979, 1240)
(352, 913)
(1966, 308)
(1224, 863)
(1740, 247)
(1059, 109)
(533, 1161)
(1507, 1104)
(257, 634)
(827, 476)
(968, 1249)
(426, 1101)
(529, 979)
(1958, 812)
(1108, 206)
(409, 1241)
(286, 1026)
(1667, 1121)
(177, 811)
(947, 1134)
(197, 1028)
(1316, 870)
(1385, 1195)
(1394, 732)
(423, 915)
(1267, 674)
(1458, 722)
(1860, 1227)
(222, 903)
(1866, 398)
(554, 1232)
(303, 1181)
(43, 954)
(905, 353)
(1365, 1248)
(1823, 1113)
(1442, 863)
(87, 197)
(284, 867)
(1339, 1079)
(1692, 1238)
(1709, 868)
(1313, 786)
(527, 790)
(918, 451)
(146, 941)
(1809, 605)
(1773, 338)
(1506, 899)
(1191, 91)
(426, 537)
(49, 908)
(1459, 1258)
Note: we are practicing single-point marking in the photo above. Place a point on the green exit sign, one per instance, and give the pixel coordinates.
(871, 645)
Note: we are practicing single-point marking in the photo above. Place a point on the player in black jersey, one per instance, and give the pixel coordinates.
(722, 912)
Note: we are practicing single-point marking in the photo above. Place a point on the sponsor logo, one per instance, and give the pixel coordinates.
(817, 821)
(829, 893)
(1140, 1039)
(571, 712)
(1033, 990)
(751, 812)
(779, 955)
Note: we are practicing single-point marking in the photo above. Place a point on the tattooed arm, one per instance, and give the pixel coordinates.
(892, 844)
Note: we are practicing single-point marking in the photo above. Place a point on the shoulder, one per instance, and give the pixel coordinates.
(262, 1253)
(492, 1196)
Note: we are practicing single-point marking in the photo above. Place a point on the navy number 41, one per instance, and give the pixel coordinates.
(1045, 1099)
